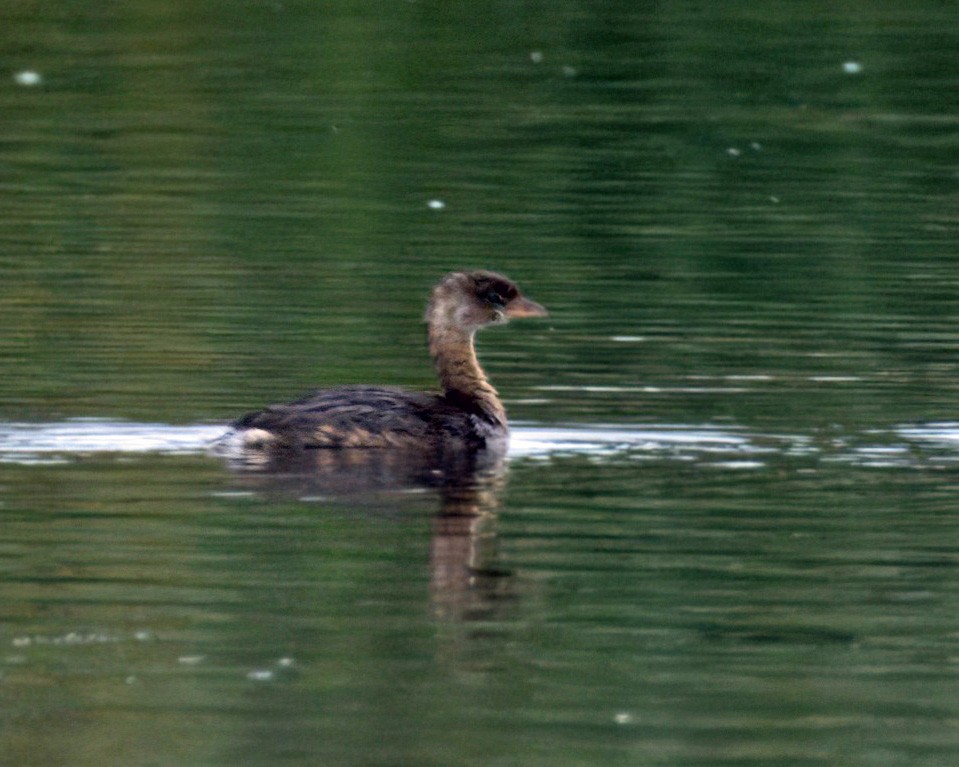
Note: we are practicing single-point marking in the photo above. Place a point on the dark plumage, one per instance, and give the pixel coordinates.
(466, 415)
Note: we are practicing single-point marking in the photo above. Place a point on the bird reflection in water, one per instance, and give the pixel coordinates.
(466, 582)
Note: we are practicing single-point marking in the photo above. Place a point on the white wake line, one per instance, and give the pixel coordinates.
(944, 433)
(536, 441)
(98, 436)
(56, 442)
(84, 436)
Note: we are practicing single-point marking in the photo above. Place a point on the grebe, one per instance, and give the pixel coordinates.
(467, 415)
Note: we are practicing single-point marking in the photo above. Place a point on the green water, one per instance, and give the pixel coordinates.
(742, 218)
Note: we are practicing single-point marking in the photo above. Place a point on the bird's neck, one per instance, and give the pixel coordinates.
(463, 380)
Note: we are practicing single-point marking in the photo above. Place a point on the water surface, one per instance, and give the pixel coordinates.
(725, 533)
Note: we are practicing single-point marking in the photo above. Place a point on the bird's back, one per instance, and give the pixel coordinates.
(366, 417)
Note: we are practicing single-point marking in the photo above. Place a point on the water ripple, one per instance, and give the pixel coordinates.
(32, 443)
(731, 447)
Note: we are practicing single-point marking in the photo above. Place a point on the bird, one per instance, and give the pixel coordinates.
(465, 415)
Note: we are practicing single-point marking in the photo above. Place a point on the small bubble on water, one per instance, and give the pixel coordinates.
(623, 717)
(28, 78)
(435, 204)
(191, 660)
(851, 67)
(733, 151)
(536, 57)
(260, 675)
(286, 663)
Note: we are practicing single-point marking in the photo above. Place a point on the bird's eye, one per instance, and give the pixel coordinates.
(495, 298)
